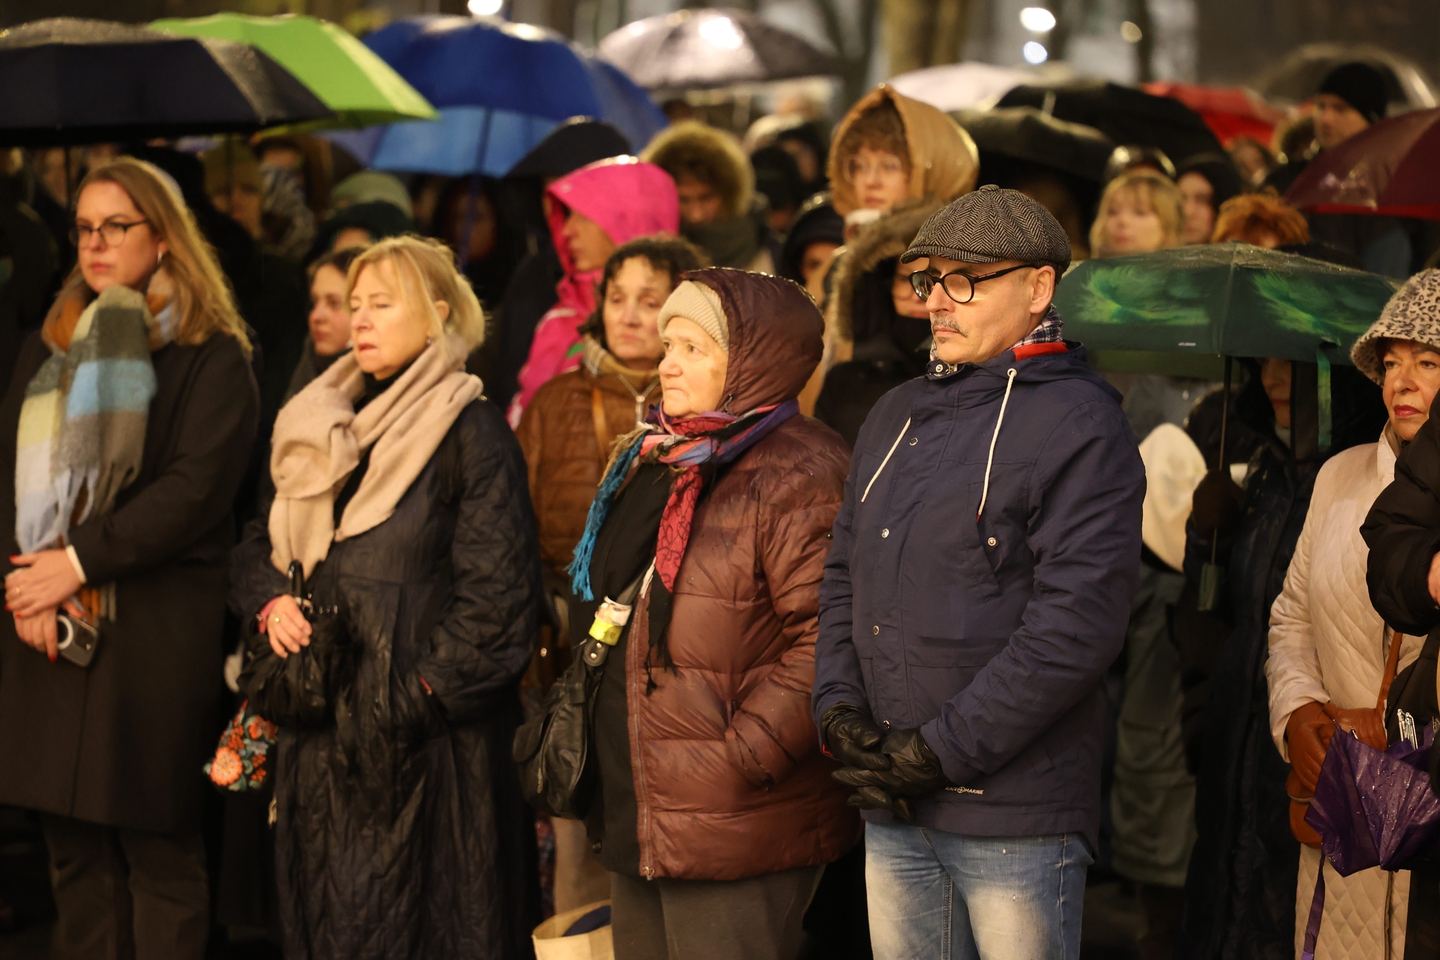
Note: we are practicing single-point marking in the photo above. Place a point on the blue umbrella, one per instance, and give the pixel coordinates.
(500, 88)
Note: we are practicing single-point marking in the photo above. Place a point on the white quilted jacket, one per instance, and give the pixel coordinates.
(1327, 643)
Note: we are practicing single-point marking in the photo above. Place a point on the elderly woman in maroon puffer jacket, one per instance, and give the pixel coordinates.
(716, 811)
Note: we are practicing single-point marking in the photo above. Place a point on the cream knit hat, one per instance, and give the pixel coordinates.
(697, 302)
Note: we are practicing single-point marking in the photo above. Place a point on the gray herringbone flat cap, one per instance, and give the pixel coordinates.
(991, 225)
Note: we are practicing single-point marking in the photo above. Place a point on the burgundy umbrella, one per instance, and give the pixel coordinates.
(1387, 170)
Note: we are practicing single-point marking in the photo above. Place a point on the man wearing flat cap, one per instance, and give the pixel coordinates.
(978, 590)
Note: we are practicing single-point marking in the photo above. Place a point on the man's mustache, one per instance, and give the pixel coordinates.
(944, 323)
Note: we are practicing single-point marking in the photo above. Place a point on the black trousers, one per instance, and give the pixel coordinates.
(754, 919)
(126, 894)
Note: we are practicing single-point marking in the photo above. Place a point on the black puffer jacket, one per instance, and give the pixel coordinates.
(1403, 533)
(411, 839)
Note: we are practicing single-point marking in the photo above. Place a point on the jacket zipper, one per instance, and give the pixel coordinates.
(632, 657)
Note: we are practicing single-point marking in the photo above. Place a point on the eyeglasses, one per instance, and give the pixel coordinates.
(111, 231)
(857, 169)
(958, 285)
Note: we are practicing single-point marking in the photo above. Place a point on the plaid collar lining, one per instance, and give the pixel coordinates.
(1050, 330)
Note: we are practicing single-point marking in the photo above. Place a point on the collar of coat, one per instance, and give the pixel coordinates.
(1047, 337)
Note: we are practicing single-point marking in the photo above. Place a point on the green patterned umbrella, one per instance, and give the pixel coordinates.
(1229, 299)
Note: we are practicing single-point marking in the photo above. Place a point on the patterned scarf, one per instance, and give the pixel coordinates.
(695, 447)
(82, 423)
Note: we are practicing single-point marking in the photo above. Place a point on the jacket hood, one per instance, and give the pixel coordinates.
(626, 197)
(943, 159)
(698, 146)
(885, 239)
(570, 146)
(776, 336)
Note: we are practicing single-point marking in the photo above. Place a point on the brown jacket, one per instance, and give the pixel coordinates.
(729, 779)
(566, 434)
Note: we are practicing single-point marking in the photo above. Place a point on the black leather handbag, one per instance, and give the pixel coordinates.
(553, 749)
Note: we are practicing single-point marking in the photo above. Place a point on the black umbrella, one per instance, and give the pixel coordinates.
(1024, 133)
(68, 81)
(693, 49)
(1124, 114)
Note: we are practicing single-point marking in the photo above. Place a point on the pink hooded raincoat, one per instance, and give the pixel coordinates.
(628, 199)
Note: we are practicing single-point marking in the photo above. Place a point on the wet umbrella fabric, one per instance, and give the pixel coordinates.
(696, 49)
(357, 85)
(69, 81)
(500, 87)
(1024, 133)
(1124, 114)
(970, 85)
(1229, 299)
(1375, 808)
(1387, 170)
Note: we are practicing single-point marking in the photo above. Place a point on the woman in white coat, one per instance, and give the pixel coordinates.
(1328, 645)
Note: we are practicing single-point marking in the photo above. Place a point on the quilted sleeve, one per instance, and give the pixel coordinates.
(1292, 670)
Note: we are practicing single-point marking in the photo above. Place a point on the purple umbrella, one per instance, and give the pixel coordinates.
(1375, 808)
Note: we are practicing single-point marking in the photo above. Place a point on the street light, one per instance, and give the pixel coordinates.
(1131, 32)
(1035, 52)
(1037, 19)
(485, 8)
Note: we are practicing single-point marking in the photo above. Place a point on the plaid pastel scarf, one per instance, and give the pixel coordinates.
(82, 423)
(694, 446)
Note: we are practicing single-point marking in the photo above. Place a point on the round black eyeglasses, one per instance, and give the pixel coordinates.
(959, 286)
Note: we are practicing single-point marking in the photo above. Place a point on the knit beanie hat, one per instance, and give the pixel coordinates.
(1412, 314)
(1359, 85)
(701, 304)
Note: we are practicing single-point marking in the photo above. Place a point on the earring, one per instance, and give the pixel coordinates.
(429, 341)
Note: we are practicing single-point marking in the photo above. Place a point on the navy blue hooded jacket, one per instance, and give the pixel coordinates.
(992, 634)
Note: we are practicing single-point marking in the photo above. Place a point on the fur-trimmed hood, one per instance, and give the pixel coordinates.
(885, 238)
(944, 161)
(692, 144)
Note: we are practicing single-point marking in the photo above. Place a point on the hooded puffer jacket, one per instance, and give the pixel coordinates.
(728, 775)
(627, 199)
(566, 434)
(944, 161)
(980, 584)
(401, 833)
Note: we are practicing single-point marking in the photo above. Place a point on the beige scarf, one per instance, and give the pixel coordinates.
(319, 439)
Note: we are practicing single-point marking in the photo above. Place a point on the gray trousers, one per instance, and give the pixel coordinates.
(754, 919)
(126, 894)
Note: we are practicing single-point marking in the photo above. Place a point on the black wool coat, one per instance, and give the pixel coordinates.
(406, 835)
(123, 742)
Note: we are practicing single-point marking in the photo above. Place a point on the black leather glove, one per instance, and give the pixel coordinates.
(873, 798)
(914, 769)
(1216, 505)
(853, 737)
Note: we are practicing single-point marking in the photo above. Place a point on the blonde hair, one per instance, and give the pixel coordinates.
(426, 271)
(1149, 189)
(204, 302)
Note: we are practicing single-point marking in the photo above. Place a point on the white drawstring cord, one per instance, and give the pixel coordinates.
(990, 460)
(885, 461)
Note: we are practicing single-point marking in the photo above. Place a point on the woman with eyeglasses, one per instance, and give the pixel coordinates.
(889, 153)
(127, 427)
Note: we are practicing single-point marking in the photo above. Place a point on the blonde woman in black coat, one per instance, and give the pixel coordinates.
(401, 491)
(127, 426)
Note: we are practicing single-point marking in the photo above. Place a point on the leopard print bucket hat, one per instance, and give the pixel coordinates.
(1412, 314)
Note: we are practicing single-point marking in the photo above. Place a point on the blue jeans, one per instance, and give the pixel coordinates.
(945, 896)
